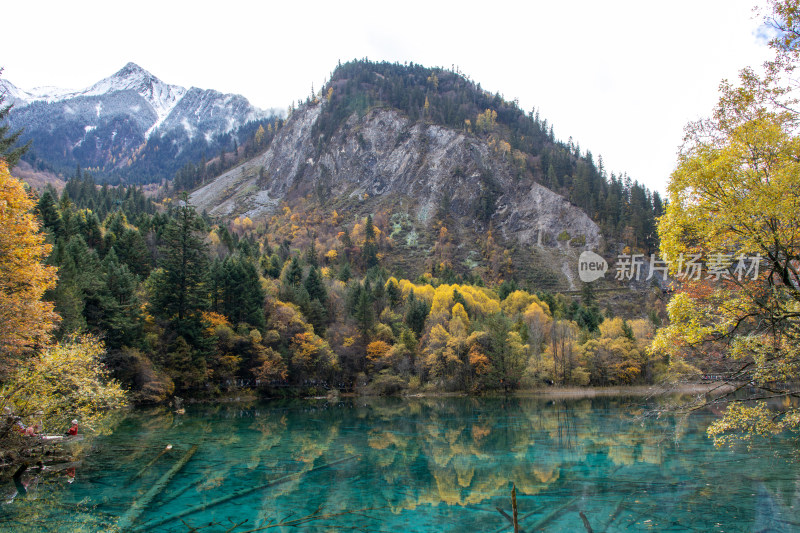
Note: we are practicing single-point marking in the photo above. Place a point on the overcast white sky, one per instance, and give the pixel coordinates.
(621, 77)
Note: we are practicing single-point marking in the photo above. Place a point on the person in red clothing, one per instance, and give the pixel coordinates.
(73, 430)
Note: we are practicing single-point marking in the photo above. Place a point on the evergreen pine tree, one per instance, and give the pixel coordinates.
(8, 140)
(364, 313)
(315, 287)
(131, 250)
(416, 313)
(275, 266)
(369, 252)
(344, 273)
(294, 273)
(393, 293)
(242, 294)
(180, 289)
(120, 319)
(51, 219)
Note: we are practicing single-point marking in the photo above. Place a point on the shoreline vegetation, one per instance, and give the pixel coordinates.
(633, 390)
(657, 390)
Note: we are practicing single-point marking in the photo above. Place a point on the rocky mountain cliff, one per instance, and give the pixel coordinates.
(385, 161)
(384, 157)
(130, 124)
(429, 150)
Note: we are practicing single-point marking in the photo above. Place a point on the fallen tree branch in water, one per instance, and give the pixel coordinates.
(585, 522)
(510, 521)
(149, 464)
(286, 522)
(553, 515)
(126, 521)
(240, 493)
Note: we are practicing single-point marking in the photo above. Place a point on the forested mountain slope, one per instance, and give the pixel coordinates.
(426, 149)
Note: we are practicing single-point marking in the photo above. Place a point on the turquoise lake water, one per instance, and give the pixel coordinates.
(414, 465)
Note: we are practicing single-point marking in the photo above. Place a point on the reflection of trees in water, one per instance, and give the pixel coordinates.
(471, 453)
(466, 451)
(44, 498)
(566, 426)
(408, 453)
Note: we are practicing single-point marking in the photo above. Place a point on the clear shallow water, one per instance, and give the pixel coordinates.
(434, 464)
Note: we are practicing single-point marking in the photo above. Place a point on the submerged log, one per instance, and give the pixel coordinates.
(240, 493)
(514, 508)
(149, 464)
(178, 493)
(555, 513)
(127, 520)
(617, 510)
(521, 519)
(510, 521)
(585, 522)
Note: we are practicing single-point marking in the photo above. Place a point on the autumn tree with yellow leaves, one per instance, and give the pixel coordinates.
(25, 320)
(736, 196)
(63, 382)
(40, 383)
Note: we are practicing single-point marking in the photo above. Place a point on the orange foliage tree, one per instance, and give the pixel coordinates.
(25, 320)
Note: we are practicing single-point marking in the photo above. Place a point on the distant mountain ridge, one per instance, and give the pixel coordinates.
(129, 125)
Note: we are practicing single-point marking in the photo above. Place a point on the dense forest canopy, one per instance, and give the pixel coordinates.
(188, 306)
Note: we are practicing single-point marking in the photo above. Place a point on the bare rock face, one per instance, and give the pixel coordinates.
(386, 158)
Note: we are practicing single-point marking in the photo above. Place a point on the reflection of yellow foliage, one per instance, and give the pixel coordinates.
(381, 441)
(651, 454)
(528, 486)
(462, 465)
(445, 484)
(545, 473)
(211, 483)
(349, 449)
(441, 456)
(479, 432)
(465, 470)
(621, 455)
(452, 435)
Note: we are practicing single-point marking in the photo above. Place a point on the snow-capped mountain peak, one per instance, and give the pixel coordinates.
(161, 96)
(12, 93)
(130, 122)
